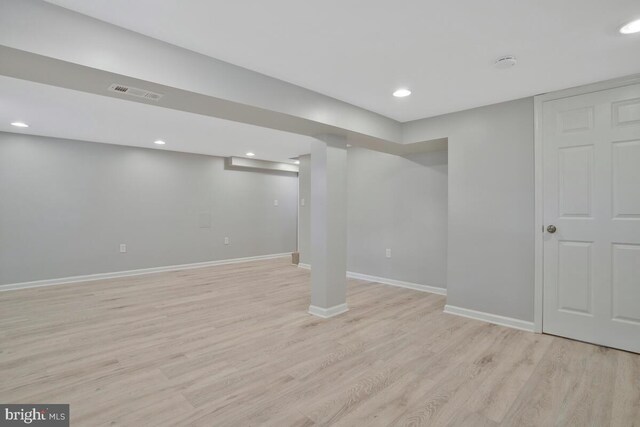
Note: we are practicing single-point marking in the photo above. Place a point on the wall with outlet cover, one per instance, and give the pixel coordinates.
(67, 206)
(491, 206)
(397, 206)
(483, 241)
(397, 216)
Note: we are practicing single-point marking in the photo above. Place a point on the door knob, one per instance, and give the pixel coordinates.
(551, 229)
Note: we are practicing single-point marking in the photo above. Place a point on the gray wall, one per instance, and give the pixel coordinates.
(304, 217)
(400, 204)
(489, 249)
(490, 261)
(396, 203)
(65, 206)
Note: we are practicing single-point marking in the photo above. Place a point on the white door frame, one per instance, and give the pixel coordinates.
(539, 202)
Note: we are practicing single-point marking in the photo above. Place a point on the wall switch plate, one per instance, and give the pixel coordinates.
(226, 240)
(301, 202)
(275, 202)
(123, 248)
(388, 253)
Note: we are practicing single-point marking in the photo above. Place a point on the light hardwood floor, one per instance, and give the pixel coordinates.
(233, 346)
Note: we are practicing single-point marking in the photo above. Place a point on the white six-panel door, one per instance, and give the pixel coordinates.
(591, 194)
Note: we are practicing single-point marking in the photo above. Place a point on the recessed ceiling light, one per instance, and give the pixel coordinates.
(631, 28)
(401, 93)
(250, 154)
(159, 142)
(20, 125)
(297, 162)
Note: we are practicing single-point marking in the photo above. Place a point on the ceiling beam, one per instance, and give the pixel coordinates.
(48, 44)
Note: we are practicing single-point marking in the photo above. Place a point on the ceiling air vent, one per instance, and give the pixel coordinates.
(505, 62)
(134, 91)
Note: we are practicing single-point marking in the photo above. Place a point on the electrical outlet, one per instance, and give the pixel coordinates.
(226, 240)
(388, 253)
(301, 202)
(123, 248)
(275, 202)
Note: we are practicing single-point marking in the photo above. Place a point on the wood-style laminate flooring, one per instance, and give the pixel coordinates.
(233, 345)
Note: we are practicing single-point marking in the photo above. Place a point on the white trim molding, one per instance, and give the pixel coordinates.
(509, 322)
(539, 100)
(397, 283)
(390, 282)
(138, 272)
(326, 313)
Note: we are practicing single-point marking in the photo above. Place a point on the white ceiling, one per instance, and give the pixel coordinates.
(359, 51)
(64, 113)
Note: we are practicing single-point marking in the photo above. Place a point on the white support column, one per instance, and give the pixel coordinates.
(328, 226)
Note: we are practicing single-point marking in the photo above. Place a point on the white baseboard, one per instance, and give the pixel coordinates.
(325, 313)
(391, 282)
(491, 318)
(113, 275)
(398, 283)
